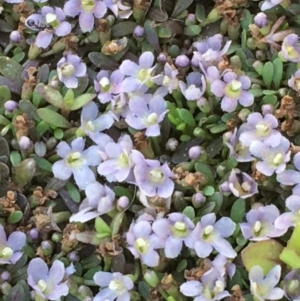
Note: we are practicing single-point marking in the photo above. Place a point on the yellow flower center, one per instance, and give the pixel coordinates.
(278, 159)
(293, 285)
(123, 160)
(117, 286)
(52, 20)
(235, 85)
(208, 230)
(180, 226)
(104, 83)
(6, 253)
(166, 81)
(67, 70)
(257, 227)
(156, 176)
(87, 5)
(141, 245)
(42, 285)
(262, 128)
(75, 159)
(151, 119)
(246, 186)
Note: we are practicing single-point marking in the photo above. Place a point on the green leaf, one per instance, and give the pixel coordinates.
(102, 61)
(219, 128)
(122, 191)
(208, 191)
(69, 99)
(192, 30)
(24, 172)
(238, 210)
(43, 164)
(187, 117)
(15, 217)
(15, 158)
(206, 171)
(256, 92)
(269, 99)
(267, 74)
(11, 69)
(278, 71)
(17, 293)
(91, 272)
(5, 95)
(73, 192)
(102, 228)
(291, 258)
(180, 6)
(216, 198)
(51, 95)
(116, 223)
(151, 35)
(189, 212)
(82, 100)
(122, 29)
(264, 253)
(53, 118)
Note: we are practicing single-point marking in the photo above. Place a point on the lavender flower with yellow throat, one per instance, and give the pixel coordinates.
(11, 246)
(69, 68)
(290, 48)
(53, 19)
(87, 10)
(142, 243)
(76, 161)
(241, 184)
(260, 223)
(175, 230)
(233, 90)
(294, 81)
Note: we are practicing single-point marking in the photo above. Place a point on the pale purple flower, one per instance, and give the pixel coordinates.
(274, 159)
(11, 247)
(210, 288)
(92, 124)
(10, 105)
(182, 61)
(99, 200)
(290, 48)
(292, 218)
(260, 223)
(241, 184)
(139, 75)
(48, 284)
(69, 68)
(118, 166)
(142, 243)
(233, 90)
(263, 287)
(120, 10)
(53, 19)
(209, 235)
(76, 161)
(237, 150)
(211, 74)
(267, 4)
(262, 128)
(119, 106)
(168, 79)
(175, 229)
(291, 285)
(151, 177)
(294, 81)
(222, 264)
(13, 1)
(114, 286)
(209, 52)
(291, 177)
(194, 87)
(87, 10)
(147, 114)
(108, 85)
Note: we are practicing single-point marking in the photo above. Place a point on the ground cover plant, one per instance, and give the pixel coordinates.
(149, 150)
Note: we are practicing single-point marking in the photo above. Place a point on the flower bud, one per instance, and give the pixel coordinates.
(56, 237)
(195, 152)
(267, 109)
(260, 55)
(172, 144)
(33, 233)
(182, 61)
(73, 256)
(190, 20)
(283, 91)
(15, 37)
(151, 278)
(34, 52)
(122, 203)
(5, 288)
(111, 19)
(10, 105)
(5, 276)
(234, 31)
(261, 20)
(24, 143)
(162, 58)
(139, 32)
(251, 44)
(236, 61)
(198, 199)
(47, 247)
